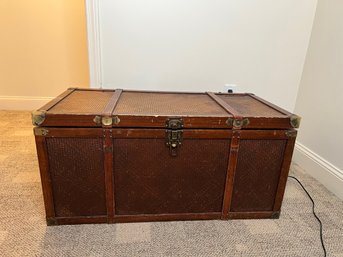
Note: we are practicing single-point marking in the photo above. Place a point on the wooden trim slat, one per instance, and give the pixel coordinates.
(109, 108)
(127, 121)
(70, 132)
(80, 220)
(263, 134)
(111, 105)
(232, 111)
(268, 123)
(108, 167)
(56, 100)
(273, 106)
(161, 92)
(284, 173)
(167, 217)
(164, 217)
(92, 89)
(70, 120)
(130, 121)
(161, 133)
(234, 94)
(42, 153)
(230, 174)
(253, 215)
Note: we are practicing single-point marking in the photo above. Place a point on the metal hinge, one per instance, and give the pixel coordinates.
(237, 122)
(106, 121)
(174, 134)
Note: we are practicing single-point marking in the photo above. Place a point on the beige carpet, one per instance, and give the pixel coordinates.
(23, 231)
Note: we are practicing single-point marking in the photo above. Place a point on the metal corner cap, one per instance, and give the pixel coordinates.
(38, 117)
(295, 121)
(275, 215)
(51, 221)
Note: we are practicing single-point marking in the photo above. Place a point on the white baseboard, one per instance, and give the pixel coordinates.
(22, 103)
(318, 167)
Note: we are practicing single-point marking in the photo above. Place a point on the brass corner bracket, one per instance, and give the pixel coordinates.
(38, 117)
(291, 133)
(237, 122)
(295, 121)
(41, 131)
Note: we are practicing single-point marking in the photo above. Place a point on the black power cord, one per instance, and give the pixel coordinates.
(315, 215)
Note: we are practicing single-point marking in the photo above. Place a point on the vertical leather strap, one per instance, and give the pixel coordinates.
(108, 167)
(230, 174)
(107, 119)
(111, 105)
(224, 105)
(237, 123)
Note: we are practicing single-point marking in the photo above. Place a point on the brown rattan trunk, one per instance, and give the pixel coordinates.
(110, 156)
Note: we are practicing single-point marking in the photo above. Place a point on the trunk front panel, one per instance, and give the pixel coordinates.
(257, 174)
(148, 180)
(77, 176)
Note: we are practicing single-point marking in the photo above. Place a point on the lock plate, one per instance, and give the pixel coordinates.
(174, 123)
(174, 134)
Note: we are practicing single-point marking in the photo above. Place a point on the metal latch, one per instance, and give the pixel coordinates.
(174, 134)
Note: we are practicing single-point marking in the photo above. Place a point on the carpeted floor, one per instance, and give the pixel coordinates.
(23, 231)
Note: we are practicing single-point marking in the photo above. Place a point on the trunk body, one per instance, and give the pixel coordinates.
(124, 156)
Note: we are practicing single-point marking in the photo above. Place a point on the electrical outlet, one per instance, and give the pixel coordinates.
(230, 88)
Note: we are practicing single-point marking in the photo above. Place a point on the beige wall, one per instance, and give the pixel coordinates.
(43, 48)
(320, 99)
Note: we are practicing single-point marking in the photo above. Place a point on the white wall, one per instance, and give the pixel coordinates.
(200, 45)
(320, 99)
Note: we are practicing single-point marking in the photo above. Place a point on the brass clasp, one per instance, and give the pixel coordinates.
(174, 134)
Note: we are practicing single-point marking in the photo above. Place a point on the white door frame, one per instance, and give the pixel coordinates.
(94, 42)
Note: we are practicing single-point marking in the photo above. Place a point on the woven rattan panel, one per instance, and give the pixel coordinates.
(77, 176)
(168, 104)
(83, 102)
(248, 106)
(148, 180)
(257, 174)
